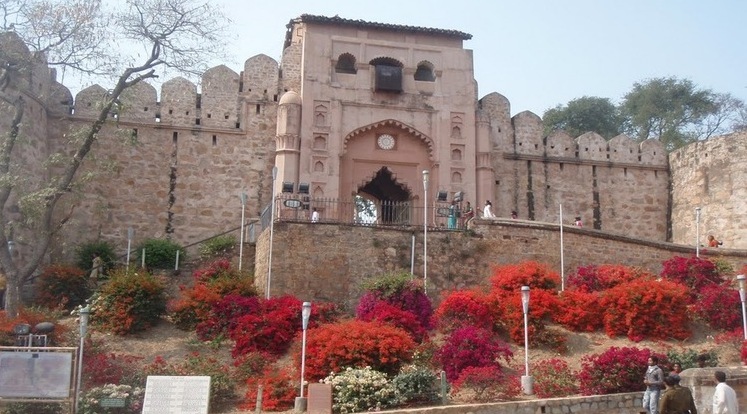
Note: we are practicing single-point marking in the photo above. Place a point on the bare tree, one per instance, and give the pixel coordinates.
(181, 35)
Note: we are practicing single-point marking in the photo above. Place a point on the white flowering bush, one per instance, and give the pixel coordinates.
(133, 396)
(361, 389)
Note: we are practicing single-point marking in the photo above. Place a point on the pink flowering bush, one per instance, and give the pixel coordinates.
(385, 312)
(597, 278)
(553, 378)
(719, 306)
(615, 370)
(693, 272)
(471, 347)
(486, 384)
(399, 290)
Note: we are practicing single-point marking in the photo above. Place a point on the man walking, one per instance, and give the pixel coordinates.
(724, 398)
(654, 380)
(676, 399)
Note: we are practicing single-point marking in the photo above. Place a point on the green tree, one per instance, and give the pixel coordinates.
(581, 115)
(672, 110)
(182, 35)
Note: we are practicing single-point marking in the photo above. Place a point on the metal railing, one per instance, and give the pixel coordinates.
(363, 212)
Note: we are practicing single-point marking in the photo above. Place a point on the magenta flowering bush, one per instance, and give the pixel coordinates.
(392, 315)
(693, 272)
(471, 347)
(554, 378)
(615, 370)
(400, 291)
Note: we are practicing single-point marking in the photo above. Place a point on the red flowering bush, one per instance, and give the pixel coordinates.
(401, 291)
(643, 309)
(129, 302)
(486, 384)
(719, 306)
(101, 368)
(62, 287)
(542, 305)
(597, 278)
(615, 370)
(224, 314)
(535, 275)
(356, 344)
(693, 272)
(389, 314)
(211, 284)
(270, 329)
(471, 347)
(29, 316)
(579, 311)
(553, 378)
(466, 307)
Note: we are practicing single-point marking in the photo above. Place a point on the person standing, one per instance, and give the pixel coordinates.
(487, 211)
(96, 268)
(654, 380)
(314, 215)
(468, 213)
(724, 398)
(676, 399)
(578, 222)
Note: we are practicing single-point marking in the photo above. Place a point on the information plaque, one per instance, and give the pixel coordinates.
(176, 395)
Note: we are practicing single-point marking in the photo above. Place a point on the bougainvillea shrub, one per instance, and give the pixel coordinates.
(355, 343)
(486, 384)
(466, 307)
(280, 388)
(129, 302)
(615, 370)
(542, 305)
(553, 378)
(719, 306)
(597, 278)
(401, 291)
(693, 272)
(642, 309)
(390, 314)
(224, 315)
(535, 275)
(471, 347)
(579, 311)
(270, 329)
(62, 287)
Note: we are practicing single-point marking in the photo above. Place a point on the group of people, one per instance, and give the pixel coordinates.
(676, 399)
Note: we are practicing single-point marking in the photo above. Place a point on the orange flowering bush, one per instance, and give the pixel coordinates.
(579, 311)
(130, 302)
(542, 305)
(535, 275)
(30, 317)
(356, 343)
(643, 309)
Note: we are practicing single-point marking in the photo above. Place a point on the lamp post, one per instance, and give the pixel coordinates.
(425, 231)
(242, 197)
(697, 231)
(84, 314)
(562, 257)
(130, 236)
(305, 314)
(741, 279)
(272, 226)
(526, 380)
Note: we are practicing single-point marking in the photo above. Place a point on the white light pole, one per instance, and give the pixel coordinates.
(741, 279)
(84, 314)
(425, 231)
(272, 226)
(242, 197)
(526, 380)
(130, 236)
(697, 231)
(305, 314)
(562, 258)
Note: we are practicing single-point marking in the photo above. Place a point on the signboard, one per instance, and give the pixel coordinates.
(292, 203)
(319, 399)
(30, 374)
(176, 395)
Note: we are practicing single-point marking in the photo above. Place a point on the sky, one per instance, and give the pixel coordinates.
(540, 53)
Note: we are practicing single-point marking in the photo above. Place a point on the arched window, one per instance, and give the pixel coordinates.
(346, 64)
(319, 166)
(456, 132)
(320, 143)
(456, 177)
(425, 72)
(456, 154)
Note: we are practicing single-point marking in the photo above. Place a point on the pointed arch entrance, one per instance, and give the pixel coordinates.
(389, 199)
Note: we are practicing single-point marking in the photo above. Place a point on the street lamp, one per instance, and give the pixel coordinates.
(562, 256)
(272, 226)
(130, 236)
(305, 314)
(425, 231)
(526, 380)
(242, 197)
(741, 279)
(697, 231)
(84, 314)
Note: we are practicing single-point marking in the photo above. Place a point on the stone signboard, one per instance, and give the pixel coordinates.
(176, 395)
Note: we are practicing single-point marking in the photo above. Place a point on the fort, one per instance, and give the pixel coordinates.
(361, 109)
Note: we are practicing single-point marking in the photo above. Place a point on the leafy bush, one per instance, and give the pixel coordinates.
(389, 314)
(597, 278)
(486, 384)
(130, 302)
(101, 368)
(471, 347)
(401, 291)
(512, 277)
(85, 253)
(553, 378)
(62, 287)
(416, 386)
(217, 246)
(133, 396)
(466, 307)
(579, 311)
(36, 408)
(361, 389)
(693, 272)
(719, 306)
(211, 284)
(688, 358)
(356, 344)
(615, 370)
(642, 309)
(160, 253)
(279, 389)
